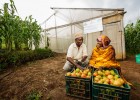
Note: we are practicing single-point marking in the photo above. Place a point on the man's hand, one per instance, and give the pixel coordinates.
(79, 63)
(78, 66)
(84, 58)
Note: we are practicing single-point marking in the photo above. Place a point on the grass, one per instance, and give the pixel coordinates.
(34, 95)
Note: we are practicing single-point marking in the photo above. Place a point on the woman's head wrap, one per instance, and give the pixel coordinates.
(104, 39)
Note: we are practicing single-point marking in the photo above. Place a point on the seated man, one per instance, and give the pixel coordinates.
(103, 55)
(77, 52)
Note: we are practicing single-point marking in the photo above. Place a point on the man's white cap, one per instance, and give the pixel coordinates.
(77, 35)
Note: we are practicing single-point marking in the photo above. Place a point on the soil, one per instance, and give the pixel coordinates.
(48, 78)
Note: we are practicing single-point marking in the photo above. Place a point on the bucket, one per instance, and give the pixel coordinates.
(138, 58)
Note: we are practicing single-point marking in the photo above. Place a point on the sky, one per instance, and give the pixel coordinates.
(40, 9)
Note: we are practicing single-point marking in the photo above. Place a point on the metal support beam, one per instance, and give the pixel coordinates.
(78, 22)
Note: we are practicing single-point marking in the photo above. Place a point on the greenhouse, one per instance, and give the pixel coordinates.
(92, 22)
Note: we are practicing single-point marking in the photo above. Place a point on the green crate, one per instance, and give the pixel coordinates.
(109, 92)
(138, 58)
(78, 87)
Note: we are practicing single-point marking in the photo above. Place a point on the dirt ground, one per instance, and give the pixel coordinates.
(47, 77)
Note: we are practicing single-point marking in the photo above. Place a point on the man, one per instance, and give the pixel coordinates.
(77, 52)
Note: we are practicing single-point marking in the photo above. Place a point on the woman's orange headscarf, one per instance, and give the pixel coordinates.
(104, 39)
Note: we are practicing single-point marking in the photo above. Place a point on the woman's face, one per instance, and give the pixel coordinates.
(79, 41)
(99, 44)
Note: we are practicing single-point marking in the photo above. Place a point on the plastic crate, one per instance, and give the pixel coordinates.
(138, 58)
(78, 87)
(109, 92)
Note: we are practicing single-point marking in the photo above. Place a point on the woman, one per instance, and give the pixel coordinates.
(103, 55)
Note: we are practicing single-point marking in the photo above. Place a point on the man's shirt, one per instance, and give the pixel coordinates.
(76, 54)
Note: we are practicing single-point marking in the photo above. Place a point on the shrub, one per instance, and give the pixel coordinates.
(19, 57)
(43, 53)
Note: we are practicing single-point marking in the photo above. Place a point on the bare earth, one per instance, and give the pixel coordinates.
(47, 77)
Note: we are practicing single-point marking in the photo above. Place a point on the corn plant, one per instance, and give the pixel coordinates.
(16, 31)
(132, 37)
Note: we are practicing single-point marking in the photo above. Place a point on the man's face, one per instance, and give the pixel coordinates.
(79, 41)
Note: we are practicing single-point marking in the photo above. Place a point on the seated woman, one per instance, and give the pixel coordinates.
(103, 55)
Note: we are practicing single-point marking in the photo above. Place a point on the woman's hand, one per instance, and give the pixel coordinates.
(101, 68)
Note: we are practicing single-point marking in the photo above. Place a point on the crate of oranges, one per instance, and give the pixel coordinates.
(78, 83)
(108, 85)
